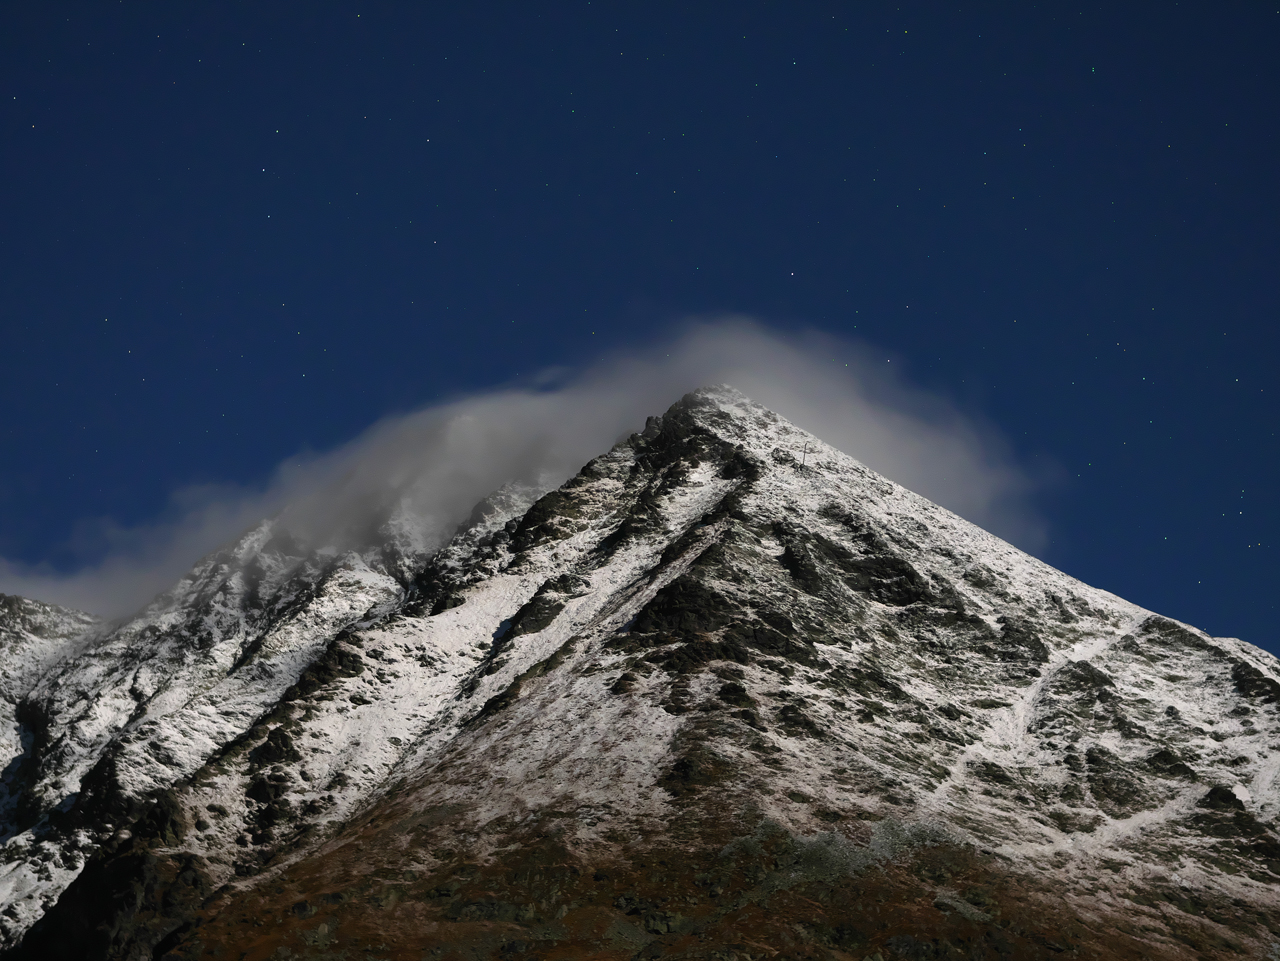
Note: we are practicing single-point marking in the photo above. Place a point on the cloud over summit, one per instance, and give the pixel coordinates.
(431, 466)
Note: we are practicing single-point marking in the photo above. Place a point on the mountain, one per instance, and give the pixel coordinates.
(725, 694)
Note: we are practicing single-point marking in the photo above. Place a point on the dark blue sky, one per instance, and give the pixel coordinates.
(228, 232)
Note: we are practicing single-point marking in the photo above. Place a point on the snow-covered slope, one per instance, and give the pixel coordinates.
(722, 636)
(34, 637)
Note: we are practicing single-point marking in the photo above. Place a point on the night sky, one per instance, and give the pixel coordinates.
(230, 232)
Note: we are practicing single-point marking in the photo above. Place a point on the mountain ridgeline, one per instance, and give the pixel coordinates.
(725, 694)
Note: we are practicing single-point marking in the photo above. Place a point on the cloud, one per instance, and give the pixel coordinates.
(428, 468)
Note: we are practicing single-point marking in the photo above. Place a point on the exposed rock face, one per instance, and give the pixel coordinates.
(702, 701)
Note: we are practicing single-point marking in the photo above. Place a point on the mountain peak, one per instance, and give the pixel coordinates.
(722, 396)
(723, 688)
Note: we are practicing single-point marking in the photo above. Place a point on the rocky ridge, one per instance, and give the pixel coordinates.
(725, 693)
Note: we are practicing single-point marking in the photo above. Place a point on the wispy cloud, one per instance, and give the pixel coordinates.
(431, 466)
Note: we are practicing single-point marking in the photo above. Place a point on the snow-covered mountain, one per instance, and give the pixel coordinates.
(726, 693)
